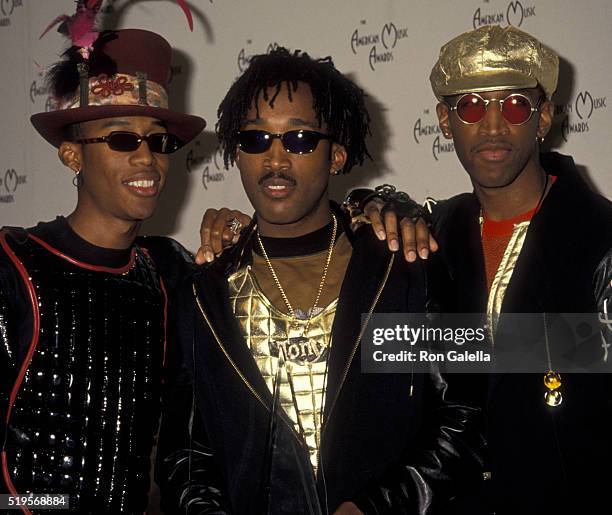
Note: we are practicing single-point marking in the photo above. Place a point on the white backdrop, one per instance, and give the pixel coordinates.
(387, 46)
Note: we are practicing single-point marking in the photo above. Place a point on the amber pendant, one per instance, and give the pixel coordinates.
(552, 382)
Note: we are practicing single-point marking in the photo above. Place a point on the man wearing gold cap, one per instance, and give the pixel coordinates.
(531, 238)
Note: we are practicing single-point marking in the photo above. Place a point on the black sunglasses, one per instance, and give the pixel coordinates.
(121, 141)
(295, 142)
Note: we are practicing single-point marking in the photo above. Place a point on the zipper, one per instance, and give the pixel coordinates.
(216, 336)
(353, 352)
(237, 370)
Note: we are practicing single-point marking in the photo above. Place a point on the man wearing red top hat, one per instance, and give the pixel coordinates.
(83, 302)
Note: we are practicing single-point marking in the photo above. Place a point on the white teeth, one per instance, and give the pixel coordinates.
(273, 187)
(142, 184)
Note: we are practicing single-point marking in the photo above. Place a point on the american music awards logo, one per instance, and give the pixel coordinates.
(7, 7)
(513, 13)
(9, 183)
(426, 129)
(39, 89)
(577, 116)
(213, 170)
(245, 55)
(379, 44)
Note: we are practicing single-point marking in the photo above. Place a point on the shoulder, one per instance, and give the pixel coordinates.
(446, 207)
(10, 240)
(164, 248)
(12, 278)
(455, 209)
(173, 261)
(576, 212)
(13, 234)
(573, 183)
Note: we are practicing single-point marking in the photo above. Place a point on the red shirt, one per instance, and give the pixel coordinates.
(496, 236)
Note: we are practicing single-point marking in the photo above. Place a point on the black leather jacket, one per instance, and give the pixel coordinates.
(81, 356)
(391, 443)
(543, 459)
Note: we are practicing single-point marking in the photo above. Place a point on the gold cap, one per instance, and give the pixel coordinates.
(491, 58)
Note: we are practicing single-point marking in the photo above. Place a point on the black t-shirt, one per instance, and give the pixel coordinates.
(61, 236)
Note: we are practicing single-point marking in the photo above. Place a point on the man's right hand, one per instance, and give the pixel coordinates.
(216, 233)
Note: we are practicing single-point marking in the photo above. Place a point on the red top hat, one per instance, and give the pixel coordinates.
(138, 88)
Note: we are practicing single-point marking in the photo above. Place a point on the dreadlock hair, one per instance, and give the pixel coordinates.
(337, 101)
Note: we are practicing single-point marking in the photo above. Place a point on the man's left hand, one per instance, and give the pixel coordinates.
(416, 237)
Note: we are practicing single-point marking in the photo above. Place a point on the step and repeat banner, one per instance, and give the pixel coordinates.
(387, 46)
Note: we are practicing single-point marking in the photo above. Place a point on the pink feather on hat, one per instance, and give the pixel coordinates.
(80, 27)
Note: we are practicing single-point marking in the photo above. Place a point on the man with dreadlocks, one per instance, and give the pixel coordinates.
(267, 410)
(82, 303)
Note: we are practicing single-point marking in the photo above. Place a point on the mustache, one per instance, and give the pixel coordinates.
(276, 175)
(495, 143)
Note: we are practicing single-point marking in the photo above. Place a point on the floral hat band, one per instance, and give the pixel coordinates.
(119, 89)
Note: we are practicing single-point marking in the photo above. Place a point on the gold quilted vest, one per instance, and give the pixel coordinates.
(274, 337)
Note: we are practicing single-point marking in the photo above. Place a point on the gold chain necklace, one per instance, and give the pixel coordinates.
(281, 357)
(323, 277)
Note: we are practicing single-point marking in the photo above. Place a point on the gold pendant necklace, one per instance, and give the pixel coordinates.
(282, 358)
(552, 379)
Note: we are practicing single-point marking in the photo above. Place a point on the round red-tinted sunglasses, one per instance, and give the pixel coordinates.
(515, 108)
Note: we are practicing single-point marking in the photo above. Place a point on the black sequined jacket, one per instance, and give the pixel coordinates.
(81, 355)
(541, 458)
(383, 447)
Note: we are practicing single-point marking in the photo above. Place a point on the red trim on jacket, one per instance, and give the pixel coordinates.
(82, 264)
(33, 343)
